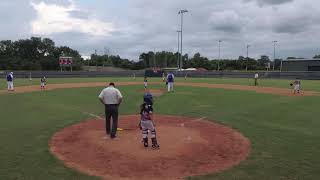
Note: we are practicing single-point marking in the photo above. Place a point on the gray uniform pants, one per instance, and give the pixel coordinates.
(148, 126)
(111, 110)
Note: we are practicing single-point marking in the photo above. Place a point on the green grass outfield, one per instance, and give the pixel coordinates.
(284, 131)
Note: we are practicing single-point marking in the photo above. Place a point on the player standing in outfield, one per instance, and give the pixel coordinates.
(170, 80)
(256, 77)
(297, 86)
(147, 125)
(10, 81)
(43, 82)
(145, 82)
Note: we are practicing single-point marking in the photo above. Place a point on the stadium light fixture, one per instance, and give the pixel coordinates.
(181, 12)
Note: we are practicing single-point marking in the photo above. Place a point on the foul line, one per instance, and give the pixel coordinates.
(93, 115)
(200, 119)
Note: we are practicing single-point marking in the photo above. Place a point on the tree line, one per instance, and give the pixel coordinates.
(166, 59)
(35, 54)
(42, 54)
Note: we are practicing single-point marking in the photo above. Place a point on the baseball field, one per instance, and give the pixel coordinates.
(269, 133)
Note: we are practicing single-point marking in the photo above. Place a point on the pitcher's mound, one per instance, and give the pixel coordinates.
(188, 147)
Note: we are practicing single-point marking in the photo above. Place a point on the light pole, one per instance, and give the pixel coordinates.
(274, 53)
(154, 58)
(219, 54)
(95, 57)
(247, 56)
(181, 12)
(178, 60)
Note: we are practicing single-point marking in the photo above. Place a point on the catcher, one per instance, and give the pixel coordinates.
(148, 99)
(43, 83)
(297, 86)
(147, 125)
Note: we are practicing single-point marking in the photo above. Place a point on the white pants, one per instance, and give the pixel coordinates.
(10, 85)
(148, 126)
(170, 86)
(145, 84)
(297, 87)
(42, 84)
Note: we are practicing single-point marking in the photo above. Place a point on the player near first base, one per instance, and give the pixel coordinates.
(10, 81)
(170, 81)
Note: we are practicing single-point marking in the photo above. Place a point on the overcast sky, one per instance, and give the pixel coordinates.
(130, 27)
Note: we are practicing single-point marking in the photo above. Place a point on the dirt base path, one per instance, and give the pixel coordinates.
(188, 147)
(265, 90)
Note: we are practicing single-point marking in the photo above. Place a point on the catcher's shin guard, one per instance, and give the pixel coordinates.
(145, 142)
(155, 144)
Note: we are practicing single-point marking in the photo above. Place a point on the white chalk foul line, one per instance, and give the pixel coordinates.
(93, 115)
(196, 120)
(200, 119)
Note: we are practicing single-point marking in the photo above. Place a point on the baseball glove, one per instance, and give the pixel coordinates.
(291, 84)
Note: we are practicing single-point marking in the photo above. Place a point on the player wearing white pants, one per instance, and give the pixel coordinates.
(170, 80)
(297, 86)
(170, 86)
(10, 86)
(43, 83)
(10, 81)
(145, 83)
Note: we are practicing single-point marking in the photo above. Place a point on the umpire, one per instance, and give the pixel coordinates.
(111, 97)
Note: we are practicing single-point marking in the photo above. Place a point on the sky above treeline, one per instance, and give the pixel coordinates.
(130, 27)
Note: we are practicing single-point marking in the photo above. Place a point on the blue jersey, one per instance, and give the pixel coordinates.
(9, 78)
(170, 78)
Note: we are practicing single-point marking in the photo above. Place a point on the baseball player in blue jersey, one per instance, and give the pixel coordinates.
(170, 80)
(10, 81)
